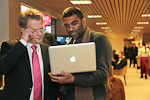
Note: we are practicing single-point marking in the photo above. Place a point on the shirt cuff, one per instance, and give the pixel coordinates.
(23, 42)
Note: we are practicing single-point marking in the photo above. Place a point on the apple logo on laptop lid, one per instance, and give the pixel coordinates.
(73, 59)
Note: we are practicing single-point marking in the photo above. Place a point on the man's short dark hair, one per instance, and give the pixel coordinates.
(68, 12)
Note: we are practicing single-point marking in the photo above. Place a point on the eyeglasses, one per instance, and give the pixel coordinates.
(34, 31)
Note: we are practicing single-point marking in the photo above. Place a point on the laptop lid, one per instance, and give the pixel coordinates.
(73, 58)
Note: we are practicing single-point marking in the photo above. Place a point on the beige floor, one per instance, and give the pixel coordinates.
(136, 88)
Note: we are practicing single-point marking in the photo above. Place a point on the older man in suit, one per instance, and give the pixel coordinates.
(25, 62)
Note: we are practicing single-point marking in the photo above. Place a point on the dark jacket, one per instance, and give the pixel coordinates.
(97, 79)
(15, 65)
(133, 52)
(122, 63)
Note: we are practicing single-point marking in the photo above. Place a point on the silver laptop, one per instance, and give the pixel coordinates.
(73, 58)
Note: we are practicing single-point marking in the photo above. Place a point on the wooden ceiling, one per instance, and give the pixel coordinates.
(121, 15)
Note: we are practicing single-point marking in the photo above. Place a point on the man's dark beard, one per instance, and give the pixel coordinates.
(79, 35)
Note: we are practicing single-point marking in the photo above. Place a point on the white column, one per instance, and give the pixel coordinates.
(4, 20)
(9, 12)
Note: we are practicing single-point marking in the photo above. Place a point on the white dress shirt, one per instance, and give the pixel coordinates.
(30, 51)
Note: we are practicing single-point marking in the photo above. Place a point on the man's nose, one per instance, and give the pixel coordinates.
(71, 28)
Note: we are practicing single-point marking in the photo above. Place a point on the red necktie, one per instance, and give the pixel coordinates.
(37, 78)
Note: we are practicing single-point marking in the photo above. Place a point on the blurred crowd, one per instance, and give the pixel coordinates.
(140, 55)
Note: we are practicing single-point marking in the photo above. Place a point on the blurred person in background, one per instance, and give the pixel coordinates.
(126, 51)
(115, 56)
(121, 63)
(49, 39)
(138, 59)
(144, 54)
(133, 52)
(147, 46)
(130, 53)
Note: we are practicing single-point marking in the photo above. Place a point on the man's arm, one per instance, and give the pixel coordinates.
(10, 53)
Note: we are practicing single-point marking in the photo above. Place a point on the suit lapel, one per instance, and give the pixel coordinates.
(27, 61)
(26, 57)
(43, 53)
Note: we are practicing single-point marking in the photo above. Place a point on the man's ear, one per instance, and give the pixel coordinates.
(84, 21)
(22, 29)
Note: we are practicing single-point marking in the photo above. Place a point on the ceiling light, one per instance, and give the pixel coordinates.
(81, 1)
(101, 23)
(108, 31)
(145, 15)
(136, 30)
(138, 27)
(105, 27)
(132, 32)
(94, 16)
(142, 22)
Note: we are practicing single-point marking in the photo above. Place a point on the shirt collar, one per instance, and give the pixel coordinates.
(30, 44)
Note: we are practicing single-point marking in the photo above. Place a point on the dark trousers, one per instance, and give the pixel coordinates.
(134, 61)
(144, 65)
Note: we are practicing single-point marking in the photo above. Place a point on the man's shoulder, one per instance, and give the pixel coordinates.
(11, 42)
(96, 35)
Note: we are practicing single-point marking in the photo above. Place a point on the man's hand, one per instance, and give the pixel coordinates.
(26, 34)
(62, 78)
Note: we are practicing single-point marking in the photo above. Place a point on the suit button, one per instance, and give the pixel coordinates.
(30, 88)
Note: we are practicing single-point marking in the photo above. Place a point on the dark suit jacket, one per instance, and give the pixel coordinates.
(14, 64)
(122, 63)
(133, 52)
